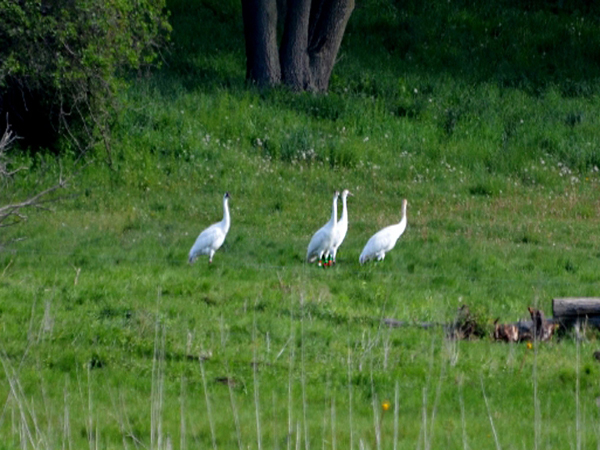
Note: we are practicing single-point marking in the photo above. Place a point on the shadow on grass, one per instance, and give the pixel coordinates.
(526, 45)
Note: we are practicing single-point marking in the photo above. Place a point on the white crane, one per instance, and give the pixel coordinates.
(211, 239)
(342, 226)
(384, 240)
(323, 238)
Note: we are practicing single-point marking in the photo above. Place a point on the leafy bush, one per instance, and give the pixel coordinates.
(61, 63)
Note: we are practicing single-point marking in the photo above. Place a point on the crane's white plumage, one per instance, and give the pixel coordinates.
(342, 226)
(323, 238)
(384, 240)
(211, 239)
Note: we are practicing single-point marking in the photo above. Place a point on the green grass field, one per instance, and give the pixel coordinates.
(486, 124)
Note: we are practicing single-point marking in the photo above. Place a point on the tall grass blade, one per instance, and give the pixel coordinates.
(396, 414)
(158, 379)
(578, 427)
(66, 428)
(333, 420)
(17, 395)
(537, 420)
(303, 375)
(438, 392)
(487, 407)
(234, 411)
(350, 418)
(375, 403)
(255, 382)
(208, 408)
(290, 404)
(90, 409)
(463, 419)
(182, 426)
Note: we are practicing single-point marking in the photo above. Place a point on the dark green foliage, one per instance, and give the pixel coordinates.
(62, 63)
(518, 44)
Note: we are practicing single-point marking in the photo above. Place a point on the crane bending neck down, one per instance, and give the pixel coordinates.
(384, 240)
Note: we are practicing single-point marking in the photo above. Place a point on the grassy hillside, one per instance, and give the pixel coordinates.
(486, 120)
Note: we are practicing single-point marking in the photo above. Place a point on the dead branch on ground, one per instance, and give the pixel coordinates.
(13, 213)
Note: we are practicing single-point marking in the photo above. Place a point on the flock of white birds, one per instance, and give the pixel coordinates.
(324, 243)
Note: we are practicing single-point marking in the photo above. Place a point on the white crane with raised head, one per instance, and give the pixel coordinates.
(211, 239)
(321, 242)
(342, 225)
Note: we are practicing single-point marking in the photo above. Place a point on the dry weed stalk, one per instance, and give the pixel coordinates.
(290, 396)
(578, 427)
(350, 397)
(25, 412)
(463, 419)
(396, 413)
(183, 428)
(303, 375)
(158, 380)
(207, 399)
(376, 423)
(333, 437)
(487, 407)
(255, 381)
(12, 214)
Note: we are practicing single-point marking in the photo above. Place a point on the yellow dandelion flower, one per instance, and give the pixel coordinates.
(529, 345)
(385, 405)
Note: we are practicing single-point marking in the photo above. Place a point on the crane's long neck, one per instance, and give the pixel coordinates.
(226, 219)
(403, 220)
(334, 211)
(344, 210)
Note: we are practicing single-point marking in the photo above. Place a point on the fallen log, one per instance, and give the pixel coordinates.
(393, 323)
(581, 321)
(576, 307)
(571, 312)
(464, 326)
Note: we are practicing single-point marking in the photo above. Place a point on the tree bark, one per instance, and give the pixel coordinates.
(311, 38)
(330, 20)
(294, 46)
(260, 33)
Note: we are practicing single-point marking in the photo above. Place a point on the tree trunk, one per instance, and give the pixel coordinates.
(330, 21)
(260, 33)
(294, 46)
(311, 38)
